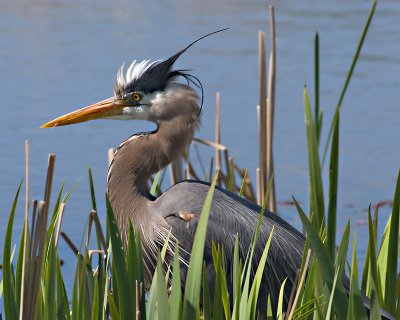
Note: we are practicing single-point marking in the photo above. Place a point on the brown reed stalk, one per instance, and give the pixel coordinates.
(99, 230)
(271, 204)
(259, 195)
(303, 275)
(232, 185)
(138, 288)
(217, 130)
(210, 144)
(33, 223)
(262, 122)
(110, 155)
(25, 256)
(69, 243)
(89, 229)
(60, 216)
(49, 182)
(259, 178)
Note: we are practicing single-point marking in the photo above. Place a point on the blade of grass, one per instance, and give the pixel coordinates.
(356, 308)
(120, 286)
(392, 257)
(279, 313)
(326, 263)
(10, 306)
(349, 75)
(193, 280)
(333, 190)
(162, 297)
(176, 294)
(316, 188)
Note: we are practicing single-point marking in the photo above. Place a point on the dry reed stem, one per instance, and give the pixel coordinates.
(49, 182)
(138, 295)
(196, 149)
(262, 104)
(25, 261)
(271, 110)
(34, 216)
(193, 173)
(91, 252)
(69, 243)
(99, 230)
(232, 174)
(258, 170)
(300, 284)
(210, 144)
(35, 275)
(258, 177)
(217, 129)
(292, 292)
(60, 216)
(110, 155)
(89, 229)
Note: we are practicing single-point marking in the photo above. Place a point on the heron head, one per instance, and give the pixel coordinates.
(145, 90)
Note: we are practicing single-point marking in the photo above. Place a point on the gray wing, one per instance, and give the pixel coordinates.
(230, 215)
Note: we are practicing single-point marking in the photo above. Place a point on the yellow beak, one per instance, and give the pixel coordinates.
(102, 109)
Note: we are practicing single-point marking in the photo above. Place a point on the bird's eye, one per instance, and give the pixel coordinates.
(136, 96)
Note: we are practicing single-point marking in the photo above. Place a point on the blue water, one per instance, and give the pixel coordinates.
(57, 56)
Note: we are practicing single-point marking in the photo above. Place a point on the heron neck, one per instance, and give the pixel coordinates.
(136, 159)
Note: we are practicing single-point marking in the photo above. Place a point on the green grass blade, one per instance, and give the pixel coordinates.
(53, 220)
(280, 310)
(113, 308)
(343, 248)
(18, 269)
(333, 190)
(162, 296)
(350, 74)
(119, 268)
(95, 304)
(316, 188)
(392, 257)
(325, 262)
(50, 281)
(375, 312)
(255, 288)
(193, 280)
(243, 184)
(106, 282)
(63, 311)
(356, 308)
(217, 306)
(133, 264)
(92, 193)
(153, 190)
(316, 87)
(374, 280)
(176, 294)
(236, 279)
(328, 314)
(207, 306)
(10, 305)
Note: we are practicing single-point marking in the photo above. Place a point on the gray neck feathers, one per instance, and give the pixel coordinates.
(134, 162)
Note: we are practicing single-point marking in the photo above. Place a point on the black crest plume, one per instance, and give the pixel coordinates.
(156, 77)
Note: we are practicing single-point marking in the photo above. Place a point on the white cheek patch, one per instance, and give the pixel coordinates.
(132, 113)
(139, 112)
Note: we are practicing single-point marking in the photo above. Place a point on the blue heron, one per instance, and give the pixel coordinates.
(150, 90)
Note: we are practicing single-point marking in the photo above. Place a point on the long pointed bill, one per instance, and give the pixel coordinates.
(102, 109)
